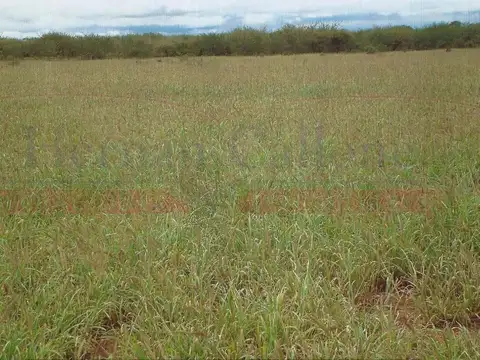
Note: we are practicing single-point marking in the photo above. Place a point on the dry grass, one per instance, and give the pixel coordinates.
(389, 276)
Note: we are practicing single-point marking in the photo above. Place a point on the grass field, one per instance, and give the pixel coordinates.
(275, 207)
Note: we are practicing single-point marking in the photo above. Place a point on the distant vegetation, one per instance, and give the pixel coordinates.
(246, 41)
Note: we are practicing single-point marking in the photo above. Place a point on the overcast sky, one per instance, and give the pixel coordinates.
(21, 18)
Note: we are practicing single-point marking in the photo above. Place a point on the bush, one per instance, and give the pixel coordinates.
(12, 61)
(247, 41)
(370, 49)
(470, 44)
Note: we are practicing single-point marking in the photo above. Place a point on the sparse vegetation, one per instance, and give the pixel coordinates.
(270, 207)
(247, 41)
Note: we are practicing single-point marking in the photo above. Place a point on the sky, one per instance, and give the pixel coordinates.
(32, 18)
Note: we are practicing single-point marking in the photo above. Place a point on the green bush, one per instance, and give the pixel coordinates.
(247, 41)
(370, 49)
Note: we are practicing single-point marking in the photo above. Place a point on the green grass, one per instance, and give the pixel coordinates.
(191, 271)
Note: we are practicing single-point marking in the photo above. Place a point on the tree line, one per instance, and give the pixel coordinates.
(289, 39)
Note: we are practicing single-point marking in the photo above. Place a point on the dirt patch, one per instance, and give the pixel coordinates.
(378, 291)
(102, 349)
(470, 321)
(399, 299)
(102, 342)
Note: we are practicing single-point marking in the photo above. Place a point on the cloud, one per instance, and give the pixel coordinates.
(257, 19)
(26, 18)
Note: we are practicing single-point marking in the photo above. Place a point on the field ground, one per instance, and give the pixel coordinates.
(281, 207)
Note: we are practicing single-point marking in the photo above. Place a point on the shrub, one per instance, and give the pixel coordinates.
(12, 60)
(289, 39)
